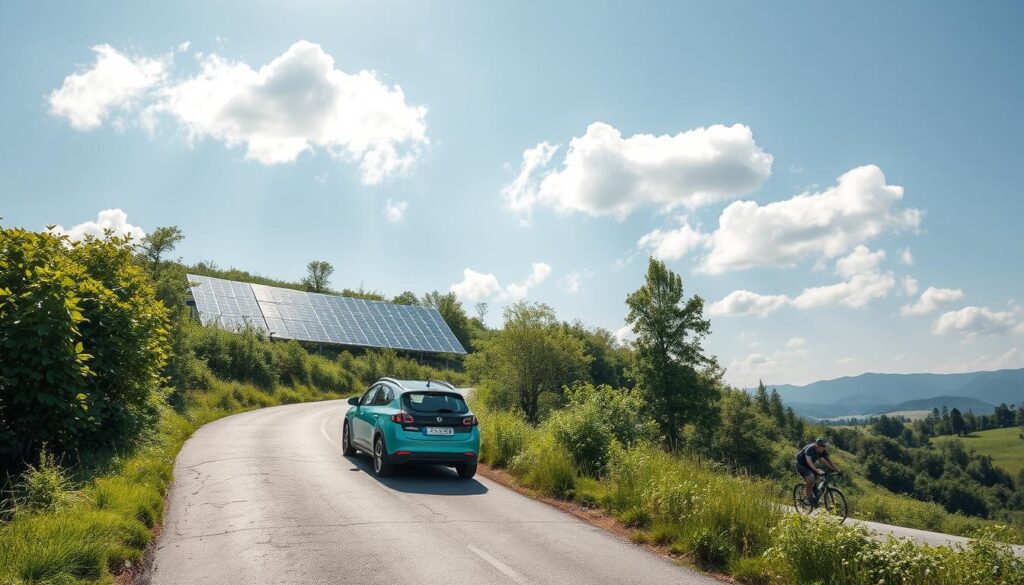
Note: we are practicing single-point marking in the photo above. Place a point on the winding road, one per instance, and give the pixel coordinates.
(266, 497)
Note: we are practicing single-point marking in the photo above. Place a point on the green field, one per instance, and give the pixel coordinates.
(1004, 446)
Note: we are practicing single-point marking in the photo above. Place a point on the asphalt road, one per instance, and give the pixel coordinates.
(266, 497)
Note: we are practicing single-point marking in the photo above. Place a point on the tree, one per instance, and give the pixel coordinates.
(156, 244)
(531, 358)
(956, 421)
(481, 310)
(776, 409)
(678, 379)
(318, 276)
(406, 298)
(761, 398)
(608, 361)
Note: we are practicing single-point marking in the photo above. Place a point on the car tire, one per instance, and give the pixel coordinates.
(466, 470)
(381, 466)
(346, 441)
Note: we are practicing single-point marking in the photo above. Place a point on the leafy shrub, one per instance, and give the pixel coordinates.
(83, 341)
(594, 417)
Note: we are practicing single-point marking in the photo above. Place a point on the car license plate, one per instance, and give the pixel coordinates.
(442, 431)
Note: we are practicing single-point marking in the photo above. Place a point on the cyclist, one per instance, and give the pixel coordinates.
(805, 460)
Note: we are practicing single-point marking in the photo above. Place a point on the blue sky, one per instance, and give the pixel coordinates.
(783, 158)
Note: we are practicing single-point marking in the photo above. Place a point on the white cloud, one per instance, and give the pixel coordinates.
(856, 292)
(864, 283)
(906, 257)
(745, 302)
(825, 224)
(671, 244)
(572, 283)
(478, 286)
(780, 364)
(184, 46)
(605, 174)
(115, 80)
(910, 287)
(518, 290)
(394, 210)
(974, 321)
(110, 219)
(297, 103)
(796, 342)
(931, 299)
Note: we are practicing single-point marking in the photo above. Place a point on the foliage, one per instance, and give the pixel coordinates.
(318, 276)
(608, 360)
(596, 416)
(821, 550)
(531, 358)
(676, 376)
(82, 343)
(156, 244)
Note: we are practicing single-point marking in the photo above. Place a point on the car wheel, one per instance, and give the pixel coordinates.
(466, 470)
(381, 466)
(346, 441)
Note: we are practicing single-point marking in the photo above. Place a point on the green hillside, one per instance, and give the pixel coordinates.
(1004, 446)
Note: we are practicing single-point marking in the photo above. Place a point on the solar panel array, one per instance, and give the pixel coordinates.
(291, 314)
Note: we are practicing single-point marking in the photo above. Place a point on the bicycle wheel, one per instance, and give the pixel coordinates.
(801, 506)
(834, 502)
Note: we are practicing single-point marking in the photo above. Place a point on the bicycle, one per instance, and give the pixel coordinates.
(831, 500)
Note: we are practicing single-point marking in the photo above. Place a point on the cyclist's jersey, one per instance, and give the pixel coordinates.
(810, 451)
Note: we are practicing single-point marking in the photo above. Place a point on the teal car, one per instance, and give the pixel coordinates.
(407, 421)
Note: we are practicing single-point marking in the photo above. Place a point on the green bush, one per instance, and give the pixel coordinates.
(596, 416)
(83, 342)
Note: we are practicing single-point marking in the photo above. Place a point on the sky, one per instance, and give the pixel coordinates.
(838, 181)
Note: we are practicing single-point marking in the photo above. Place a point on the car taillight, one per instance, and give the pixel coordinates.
(470, 421)
(403, 418)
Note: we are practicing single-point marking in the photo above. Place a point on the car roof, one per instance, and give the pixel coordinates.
(421, 385)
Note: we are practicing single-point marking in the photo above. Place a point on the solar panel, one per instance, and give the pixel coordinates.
(229, 304)
(290, 314)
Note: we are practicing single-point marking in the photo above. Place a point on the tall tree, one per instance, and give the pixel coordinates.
(318, 275)
(531, 356)
(761, 398)
(956, 421)
(481, 310)
(158, 243)
(776, 409)
(671, 367)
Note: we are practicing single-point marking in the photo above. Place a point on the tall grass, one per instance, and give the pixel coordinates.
(732, 522)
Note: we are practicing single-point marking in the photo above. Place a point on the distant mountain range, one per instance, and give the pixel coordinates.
(879, 393)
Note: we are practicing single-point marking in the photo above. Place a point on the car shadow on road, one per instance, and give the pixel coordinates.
(421, 479)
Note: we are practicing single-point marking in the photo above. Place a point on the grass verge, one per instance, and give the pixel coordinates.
(731, 524)
(101, 529)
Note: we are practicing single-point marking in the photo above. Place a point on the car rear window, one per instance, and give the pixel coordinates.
(434, 402)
